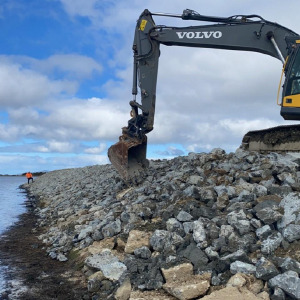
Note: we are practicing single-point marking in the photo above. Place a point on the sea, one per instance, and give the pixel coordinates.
(12, 200)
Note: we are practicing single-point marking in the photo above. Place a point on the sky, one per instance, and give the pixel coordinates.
(66, 79)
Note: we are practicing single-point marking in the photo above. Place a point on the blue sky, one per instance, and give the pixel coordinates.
(65, 82)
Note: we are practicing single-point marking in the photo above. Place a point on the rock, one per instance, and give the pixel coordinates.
(289, 282)
(182, 284)
(239, 255)
(109, 264)
(265, 269)
(241, 280)
(211, 254)
(174, 225)
(195, 255)
(61, 257)
(137, 239)
(112, 229)
(199, 233)
(268, 211)
(222, 201)
(99, 246)
(187, 289)
(278, 294)
(287, 264)
(271, 243)
(231, 293)
(183, 216)
(291, 232)
(291, 205)
(94, 282)
(226, 231)
(263, 232)
(143, 252)
(150, 295)
(241, 267)
(237, 280)
(177, 272)
(163, 240)
(124, 291)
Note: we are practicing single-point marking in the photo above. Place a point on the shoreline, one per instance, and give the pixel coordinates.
(203, 226)
(31, 273)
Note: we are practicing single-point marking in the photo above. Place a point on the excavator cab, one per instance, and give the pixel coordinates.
(290, 106)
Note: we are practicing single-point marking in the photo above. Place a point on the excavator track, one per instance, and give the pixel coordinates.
(285, 138)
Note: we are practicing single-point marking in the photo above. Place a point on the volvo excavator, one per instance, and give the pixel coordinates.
(238, 32)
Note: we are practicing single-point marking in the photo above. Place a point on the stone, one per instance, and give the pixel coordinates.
(85, 232)
(211, 254)
(195, 180)
(112, 229)
(187, 289)
(124, 291)
(289, 282)
(183, 216)
(291, 205)
(61, 257)
(287, 264)
(263, 232)
(177, 272)
(174, 225)
(243, 226)
(163, 240)
(143, 252)
(222, 201)
(278, 294)
(99, 246)
(239, 255)
(199, 233)
(291, 233)
(195, 255)
(241, 267)
(226, 231)
(265, 269)
(271, 243)
(231, 293)
(150, 295)
(268, 211)
(94, 281)
(234, 217)
(188, 227)
(237, 280)
(109, 264)
(137, 239)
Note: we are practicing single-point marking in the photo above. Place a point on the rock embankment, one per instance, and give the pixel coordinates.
(210, 226)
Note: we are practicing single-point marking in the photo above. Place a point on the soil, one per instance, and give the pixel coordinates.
(31, 274)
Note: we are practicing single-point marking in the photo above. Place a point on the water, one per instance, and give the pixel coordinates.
(11, 200)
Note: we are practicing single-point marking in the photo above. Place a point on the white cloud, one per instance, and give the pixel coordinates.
(74, 65)
(86, 8)
(61, 147)
(23, 87)
(96, 150)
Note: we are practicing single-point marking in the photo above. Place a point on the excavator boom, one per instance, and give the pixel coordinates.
(239, 32)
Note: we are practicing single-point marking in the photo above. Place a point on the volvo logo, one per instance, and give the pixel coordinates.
(199, 34)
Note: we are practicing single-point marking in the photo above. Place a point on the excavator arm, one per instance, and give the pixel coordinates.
(241, 32)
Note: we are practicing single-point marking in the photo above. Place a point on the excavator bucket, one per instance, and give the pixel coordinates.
(128, 156)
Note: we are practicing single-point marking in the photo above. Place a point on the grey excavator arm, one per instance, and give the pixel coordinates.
(243, 33)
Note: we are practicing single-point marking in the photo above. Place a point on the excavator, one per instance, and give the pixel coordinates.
(238, 32)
